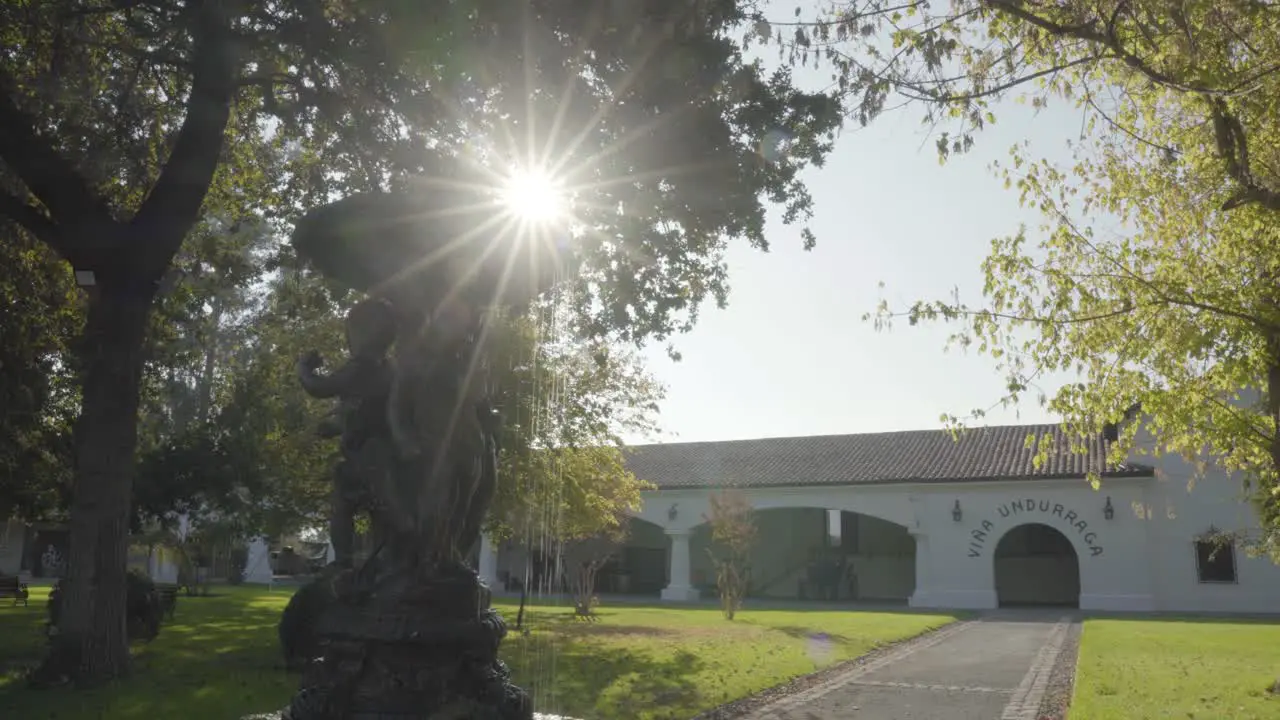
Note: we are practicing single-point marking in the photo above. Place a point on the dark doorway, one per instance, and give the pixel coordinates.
(1036, 566)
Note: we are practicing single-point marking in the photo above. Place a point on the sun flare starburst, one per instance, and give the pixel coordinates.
(534, 196)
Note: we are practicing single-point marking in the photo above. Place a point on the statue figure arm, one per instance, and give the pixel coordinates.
(330, 427)
(320, 385)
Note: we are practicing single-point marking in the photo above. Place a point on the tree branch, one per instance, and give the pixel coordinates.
(1233, 148)
(33, 220)
(955, 312)
(48, 175)
(923, 93)
(1107, 36)
(174, 202)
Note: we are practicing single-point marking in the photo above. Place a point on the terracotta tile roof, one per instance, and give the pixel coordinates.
(989, 453)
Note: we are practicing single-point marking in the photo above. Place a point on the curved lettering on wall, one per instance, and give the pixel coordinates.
(1036, 510)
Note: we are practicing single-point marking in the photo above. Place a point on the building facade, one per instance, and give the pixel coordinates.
(934, 522)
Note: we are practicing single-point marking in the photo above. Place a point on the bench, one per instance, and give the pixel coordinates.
(10, 586)
(168, 593)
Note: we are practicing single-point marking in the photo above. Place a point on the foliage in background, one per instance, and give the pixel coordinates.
(1153, 279)
(733, 531)
(564, 491)
(566, 406)
(255, 460)
(37, 394)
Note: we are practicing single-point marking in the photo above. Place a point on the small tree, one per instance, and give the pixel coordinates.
(596, 493)
(584, 558)
(578, 498)
(733, 530)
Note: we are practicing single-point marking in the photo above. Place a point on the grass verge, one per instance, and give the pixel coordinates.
(1202, 668)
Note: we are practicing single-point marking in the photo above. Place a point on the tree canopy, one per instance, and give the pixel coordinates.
(1153, 277)
(567, 405)
(126, 123)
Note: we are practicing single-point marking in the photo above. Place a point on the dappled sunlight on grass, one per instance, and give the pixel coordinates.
(219, 659)
(673, 663)
(1203, 668)
(219, 653)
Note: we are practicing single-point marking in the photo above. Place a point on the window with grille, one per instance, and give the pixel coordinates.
(1215, 561)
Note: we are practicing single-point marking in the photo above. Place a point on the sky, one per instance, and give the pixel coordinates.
(791, 355)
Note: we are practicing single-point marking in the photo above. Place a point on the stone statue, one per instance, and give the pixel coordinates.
(362, 386)
(410, 633)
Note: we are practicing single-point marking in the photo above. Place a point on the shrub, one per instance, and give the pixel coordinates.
(297, 629)
(143, 612)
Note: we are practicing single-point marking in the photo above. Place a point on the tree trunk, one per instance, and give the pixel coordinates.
(92, 645)
(524, 595)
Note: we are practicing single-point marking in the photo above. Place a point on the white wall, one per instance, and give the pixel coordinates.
(886, 502)
(164, 565)
(959, 570)
(257, 567)
(1142, 559)
(1184, 504)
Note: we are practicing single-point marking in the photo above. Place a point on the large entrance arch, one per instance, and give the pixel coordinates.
(1036, 565)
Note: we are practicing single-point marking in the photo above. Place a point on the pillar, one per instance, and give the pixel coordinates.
(680, 586)
(488, 564)
(922, 596)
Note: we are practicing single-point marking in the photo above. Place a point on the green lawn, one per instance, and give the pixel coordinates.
(220, 659)
(1206, 669)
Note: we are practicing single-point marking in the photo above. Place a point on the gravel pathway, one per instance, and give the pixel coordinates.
(1008, 665)
(1057, 696)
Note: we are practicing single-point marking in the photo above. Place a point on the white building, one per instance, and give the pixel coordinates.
(920, 518)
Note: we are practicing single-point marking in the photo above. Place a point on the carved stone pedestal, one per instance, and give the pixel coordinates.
(411, 647)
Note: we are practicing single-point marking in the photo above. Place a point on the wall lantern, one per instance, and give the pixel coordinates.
(672, 512)
(86, 278)
(1107, 511)
(956, 513)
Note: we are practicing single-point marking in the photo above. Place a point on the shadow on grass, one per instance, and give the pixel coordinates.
(588, 629)
(803, 633)
(594, 681)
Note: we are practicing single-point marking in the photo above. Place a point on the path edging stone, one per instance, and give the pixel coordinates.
(1025, 703)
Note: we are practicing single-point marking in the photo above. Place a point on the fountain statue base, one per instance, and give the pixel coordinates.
(412, 646)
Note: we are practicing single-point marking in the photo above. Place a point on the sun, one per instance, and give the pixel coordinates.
(533, 196)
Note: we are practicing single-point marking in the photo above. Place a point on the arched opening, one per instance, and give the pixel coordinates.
(639, 566)
(818, 554)
(1036, 566)
(636, 566)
